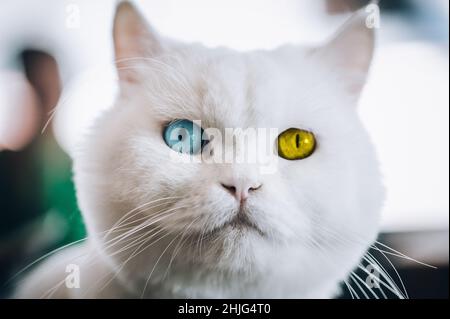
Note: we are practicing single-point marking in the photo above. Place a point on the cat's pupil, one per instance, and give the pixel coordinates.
(297, 140)
(180, 137)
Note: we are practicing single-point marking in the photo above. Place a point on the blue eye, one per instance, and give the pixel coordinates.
(184, 136)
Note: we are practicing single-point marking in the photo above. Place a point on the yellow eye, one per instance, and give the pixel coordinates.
(295, 144)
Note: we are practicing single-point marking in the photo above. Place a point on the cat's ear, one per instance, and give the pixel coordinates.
(134, 40)
(350, 51)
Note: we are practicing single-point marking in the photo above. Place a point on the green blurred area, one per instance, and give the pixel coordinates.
(59, 190)
(38, 208)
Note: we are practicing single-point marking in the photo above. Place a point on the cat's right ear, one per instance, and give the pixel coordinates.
(350, 51)
(134, 41)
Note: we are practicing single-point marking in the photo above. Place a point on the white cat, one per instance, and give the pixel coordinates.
(158, 228)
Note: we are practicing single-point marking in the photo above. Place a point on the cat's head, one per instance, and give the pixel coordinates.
(323, 208)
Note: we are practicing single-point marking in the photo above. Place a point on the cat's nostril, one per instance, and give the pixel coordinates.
(254, 188)
(230, 188)
(240, 193)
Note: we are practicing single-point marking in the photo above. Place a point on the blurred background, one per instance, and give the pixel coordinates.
(56, 77)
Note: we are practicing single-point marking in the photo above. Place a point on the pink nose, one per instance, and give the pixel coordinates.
(241, 190)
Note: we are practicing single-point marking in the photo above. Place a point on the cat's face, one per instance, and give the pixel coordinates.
(233, 216)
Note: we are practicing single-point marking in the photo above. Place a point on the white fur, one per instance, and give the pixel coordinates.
(319, 215)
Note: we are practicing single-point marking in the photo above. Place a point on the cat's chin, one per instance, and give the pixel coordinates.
(230, 247)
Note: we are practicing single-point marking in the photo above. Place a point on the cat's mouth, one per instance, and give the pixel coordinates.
(241, 223)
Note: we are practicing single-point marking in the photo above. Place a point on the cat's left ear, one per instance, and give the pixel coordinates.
(134, 40)
(350, 52)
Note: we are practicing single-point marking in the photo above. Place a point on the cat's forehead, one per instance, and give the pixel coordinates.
(222, 88)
